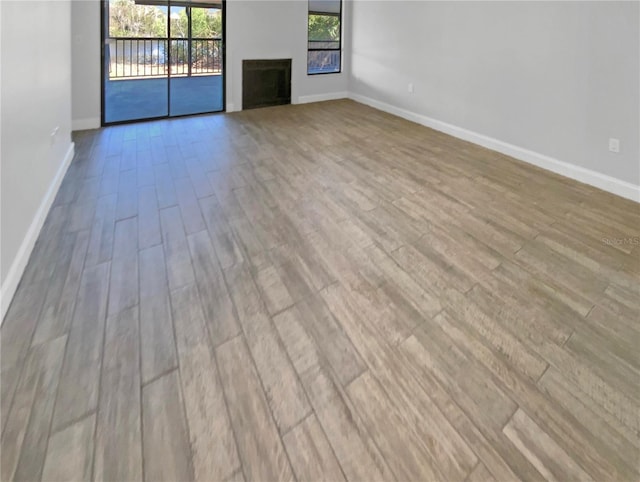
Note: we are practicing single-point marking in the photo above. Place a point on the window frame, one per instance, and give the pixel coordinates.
(338, 49)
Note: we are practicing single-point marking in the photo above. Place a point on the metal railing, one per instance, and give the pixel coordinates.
(134, 57)
(323, 56)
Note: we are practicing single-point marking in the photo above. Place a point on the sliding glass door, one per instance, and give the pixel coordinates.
(162, 58)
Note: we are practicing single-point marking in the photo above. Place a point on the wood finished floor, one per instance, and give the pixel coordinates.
(321, 292)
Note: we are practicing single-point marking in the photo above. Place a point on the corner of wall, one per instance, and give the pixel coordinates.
(85, 124)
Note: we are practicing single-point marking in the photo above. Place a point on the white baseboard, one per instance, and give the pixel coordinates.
(306, 99)
(586, 176)
(16, 270)
(85, 124)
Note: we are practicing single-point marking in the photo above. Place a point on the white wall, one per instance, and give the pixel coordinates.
(555, 78)
(36, 98)
(256, 29)
(85, 55)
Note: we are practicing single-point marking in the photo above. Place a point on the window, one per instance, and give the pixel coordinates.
(324, 34)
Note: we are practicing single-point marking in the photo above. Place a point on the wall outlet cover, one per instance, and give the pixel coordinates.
(614, 145)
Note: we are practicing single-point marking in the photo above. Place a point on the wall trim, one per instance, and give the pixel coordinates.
(85, 124)
(14, 275)
(306, 99)
(587, 176)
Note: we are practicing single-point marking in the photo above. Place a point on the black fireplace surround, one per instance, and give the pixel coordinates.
(266, 83)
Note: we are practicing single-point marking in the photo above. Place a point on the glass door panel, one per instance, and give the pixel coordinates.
(136, 82)
(197, 64)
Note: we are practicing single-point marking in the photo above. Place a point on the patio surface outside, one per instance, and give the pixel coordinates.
(134, 99)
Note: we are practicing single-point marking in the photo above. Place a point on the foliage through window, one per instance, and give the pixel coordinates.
(324, 37)
(130, 19)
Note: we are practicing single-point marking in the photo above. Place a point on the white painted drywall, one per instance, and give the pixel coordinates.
(256, 29)
(556, 78)
(35, 87)
(85, 55)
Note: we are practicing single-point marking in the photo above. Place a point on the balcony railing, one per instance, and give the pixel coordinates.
(323, 56)
(134, 57)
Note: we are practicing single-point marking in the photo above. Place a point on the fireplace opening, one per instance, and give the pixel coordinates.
(266, 83)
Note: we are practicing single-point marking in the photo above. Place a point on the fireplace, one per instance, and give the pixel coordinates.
(266, 83)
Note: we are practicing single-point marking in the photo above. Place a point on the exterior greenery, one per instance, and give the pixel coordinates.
(324, 27)
(127, 19)
(203, 23)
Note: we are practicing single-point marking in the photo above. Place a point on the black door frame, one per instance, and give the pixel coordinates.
(103, 11)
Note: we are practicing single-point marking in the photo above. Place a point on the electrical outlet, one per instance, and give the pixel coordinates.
(614, 145)
(410, 88)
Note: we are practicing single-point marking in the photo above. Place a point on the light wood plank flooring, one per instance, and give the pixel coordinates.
(321, 292)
